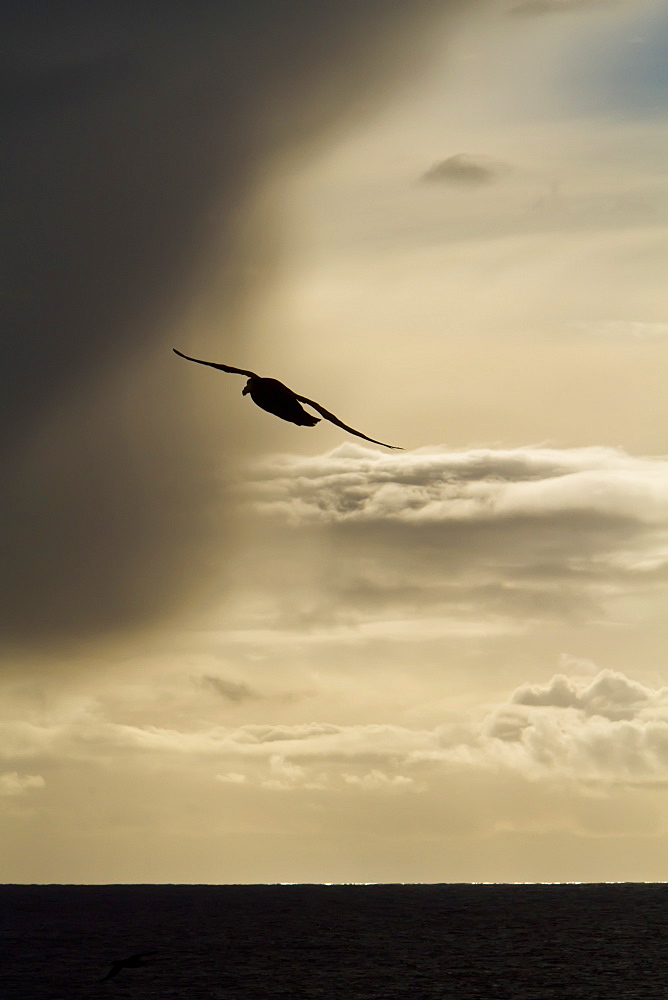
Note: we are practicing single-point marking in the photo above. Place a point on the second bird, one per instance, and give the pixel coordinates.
(274, 397)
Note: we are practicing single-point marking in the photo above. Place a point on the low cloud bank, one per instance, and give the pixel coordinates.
(610, 730)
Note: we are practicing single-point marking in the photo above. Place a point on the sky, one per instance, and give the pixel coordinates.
(237, 650)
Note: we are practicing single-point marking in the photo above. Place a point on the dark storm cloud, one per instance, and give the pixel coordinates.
(134, 138)
(466, 170)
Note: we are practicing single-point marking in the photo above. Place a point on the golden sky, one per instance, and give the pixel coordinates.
(243, 651)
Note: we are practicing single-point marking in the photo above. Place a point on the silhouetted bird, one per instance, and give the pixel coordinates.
(132, 962)
(274, 397)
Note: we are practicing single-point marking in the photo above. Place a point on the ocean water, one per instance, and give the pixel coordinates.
(305, 942)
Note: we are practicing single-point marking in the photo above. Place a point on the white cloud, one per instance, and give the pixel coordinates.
(470, 542)
(25, 739)
(609, 729)
(284, 774)
(610, 694)
(375, 780)
(232, 778)
(639, 329)
(433, 485)
(14, 784)
(275, 744)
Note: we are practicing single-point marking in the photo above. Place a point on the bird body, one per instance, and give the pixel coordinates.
(275, 397)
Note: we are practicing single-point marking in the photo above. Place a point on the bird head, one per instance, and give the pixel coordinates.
(246, 388)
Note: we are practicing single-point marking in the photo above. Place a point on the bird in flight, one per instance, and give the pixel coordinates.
(274, 397)
(132, 962)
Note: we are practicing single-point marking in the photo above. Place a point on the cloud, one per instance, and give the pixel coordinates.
(284, 775)
(232, 778)
(137, 143)
(235, 691)
(534, 8)
(638, 329)
(14, 784)
(433, 485)
(610, 731)
(472, 541)
(375, 780)
(28, 739)
(81, 738)
(610, 694)
(465, 169)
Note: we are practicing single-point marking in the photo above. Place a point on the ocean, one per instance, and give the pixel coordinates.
(344, 942)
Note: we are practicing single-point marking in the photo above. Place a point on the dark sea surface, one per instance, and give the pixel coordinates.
(302, 942)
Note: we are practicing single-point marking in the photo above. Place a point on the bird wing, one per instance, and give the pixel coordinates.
(222, 368)
(339, 423)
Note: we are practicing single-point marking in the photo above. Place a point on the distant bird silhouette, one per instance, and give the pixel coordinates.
(274, 397)
(132, 962)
